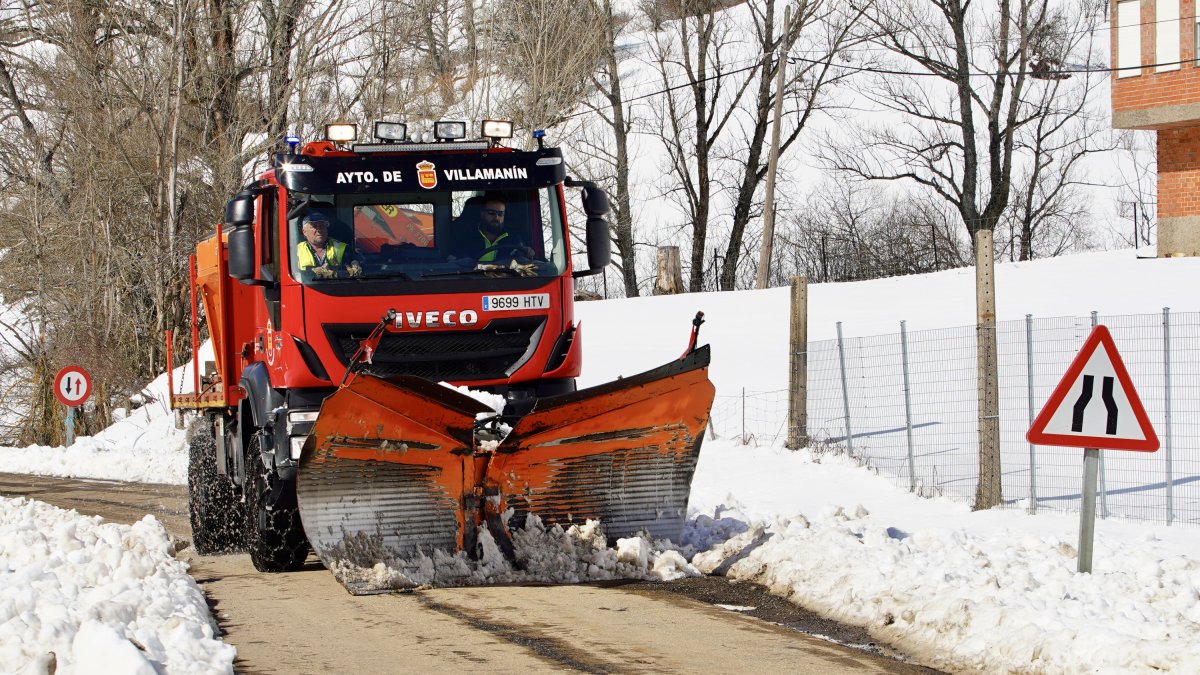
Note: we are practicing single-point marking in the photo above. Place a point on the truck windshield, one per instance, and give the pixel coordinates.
(426, 235)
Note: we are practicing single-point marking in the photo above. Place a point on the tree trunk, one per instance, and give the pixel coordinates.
(669, 280)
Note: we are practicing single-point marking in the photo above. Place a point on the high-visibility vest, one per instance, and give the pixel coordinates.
(334, 252)
(490, 256)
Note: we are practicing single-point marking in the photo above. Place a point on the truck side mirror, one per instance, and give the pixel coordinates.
(599, 243)
(595, 201)
(239, 215)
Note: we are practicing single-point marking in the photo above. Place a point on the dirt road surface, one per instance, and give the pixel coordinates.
(305, 622)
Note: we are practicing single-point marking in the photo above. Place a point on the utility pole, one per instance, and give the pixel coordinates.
(764, 259)
(988, 489)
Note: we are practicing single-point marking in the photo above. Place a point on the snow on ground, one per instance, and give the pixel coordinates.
(82, 595)
(992, 591)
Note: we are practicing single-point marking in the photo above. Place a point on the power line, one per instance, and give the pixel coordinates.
(1062, 72)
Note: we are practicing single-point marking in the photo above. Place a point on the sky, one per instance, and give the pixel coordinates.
(993, 590)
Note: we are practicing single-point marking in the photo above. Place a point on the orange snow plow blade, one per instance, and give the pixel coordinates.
(395, 469)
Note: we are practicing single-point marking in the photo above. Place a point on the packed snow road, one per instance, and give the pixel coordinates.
(306, 622)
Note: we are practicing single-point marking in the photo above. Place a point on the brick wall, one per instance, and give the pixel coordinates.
(1179, 172)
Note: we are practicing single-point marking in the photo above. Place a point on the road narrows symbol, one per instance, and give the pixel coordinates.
(1110, 404)
(1081, 404)
(1085, 397)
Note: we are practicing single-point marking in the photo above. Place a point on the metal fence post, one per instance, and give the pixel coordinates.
(1103, 482)
(1167, 408)
(845, 388)
(912, 472)
(745, 441)
(1029, 392)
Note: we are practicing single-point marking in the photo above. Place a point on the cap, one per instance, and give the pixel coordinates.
(315, 217)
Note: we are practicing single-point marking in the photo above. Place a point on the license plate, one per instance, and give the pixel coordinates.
(525, 301)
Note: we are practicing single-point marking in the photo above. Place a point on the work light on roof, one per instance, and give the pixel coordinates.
(390, 132)
(341, 132)
(497, 129)
(446, 130)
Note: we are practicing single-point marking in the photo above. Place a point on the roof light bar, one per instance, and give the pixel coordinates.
(341, 132)
(497, 129)
(446, 130)
(390, 132)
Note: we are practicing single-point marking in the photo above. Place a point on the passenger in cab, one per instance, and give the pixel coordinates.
(490, 236)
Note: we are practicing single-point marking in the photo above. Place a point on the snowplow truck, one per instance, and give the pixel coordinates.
(325, 420)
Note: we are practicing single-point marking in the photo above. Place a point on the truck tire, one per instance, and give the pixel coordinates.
(215, 507)
(275, 537)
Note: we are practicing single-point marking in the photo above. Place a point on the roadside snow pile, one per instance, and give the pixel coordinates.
(142, 446)
(992, 591)
(549, 555)
(82, 595)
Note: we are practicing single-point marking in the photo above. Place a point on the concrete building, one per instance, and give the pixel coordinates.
(1157, 86)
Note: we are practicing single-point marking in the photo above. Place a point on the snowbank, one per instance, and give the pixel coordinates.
(87, 595)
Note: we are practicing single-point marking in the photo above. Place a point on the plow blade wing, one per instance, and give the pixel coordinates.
(623, 452)
(383, 472)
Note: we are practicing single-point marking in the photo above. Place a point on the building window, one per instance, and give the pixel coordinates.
(1129, 38)
(1166, 34)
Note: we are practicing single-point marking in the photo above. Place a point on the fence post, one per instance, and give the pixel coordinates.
(798, 378)
(1103, 483)
(1167, 406)
(912, 472)
(744, 441)
(1029, 392)
(845, 389)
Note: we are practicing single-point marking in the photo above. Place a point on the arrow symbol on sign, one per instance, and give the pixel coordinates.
(1085, 396)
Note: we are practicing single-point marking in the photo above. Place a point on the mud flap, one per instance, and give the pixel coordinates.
(391, 470)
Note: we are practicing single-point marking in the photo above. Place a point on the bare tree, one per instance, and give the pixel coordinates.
(603, 141)
(702, 95)
(550, 48)
(982, 76)
(823, 30)
(854, 231)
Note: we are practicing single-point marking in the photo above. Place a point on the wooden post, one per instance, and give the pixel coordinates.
(768, 240)
(798, 366)
(987, 492)
(669, 280)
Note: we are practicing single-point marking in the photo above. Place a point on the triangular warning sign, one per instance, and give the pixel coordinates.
(1095, 404)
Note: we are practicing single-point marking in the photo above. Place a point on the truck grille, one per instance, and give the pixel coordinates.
(488, 353)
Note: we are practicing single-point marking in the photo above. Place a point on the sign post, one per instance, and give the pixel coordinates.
(1075, 417)
(72, 387)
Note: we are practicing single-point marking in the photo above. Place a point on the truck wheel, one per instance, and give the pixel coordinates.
(275, 537)
(214, 505)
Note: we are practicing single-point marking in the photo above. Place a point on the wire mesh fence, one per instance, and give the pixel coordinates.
(906, 404)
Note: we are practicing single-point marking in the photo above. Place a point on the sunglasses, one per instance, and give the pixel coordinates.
(318, 223)
(494, 212)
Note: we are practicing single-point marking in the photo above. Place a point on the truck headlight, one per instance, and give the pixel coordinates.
(390, 131)
(297, 444)
(301, 417)
(341, 133)
(445, 130)
(497, 129)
